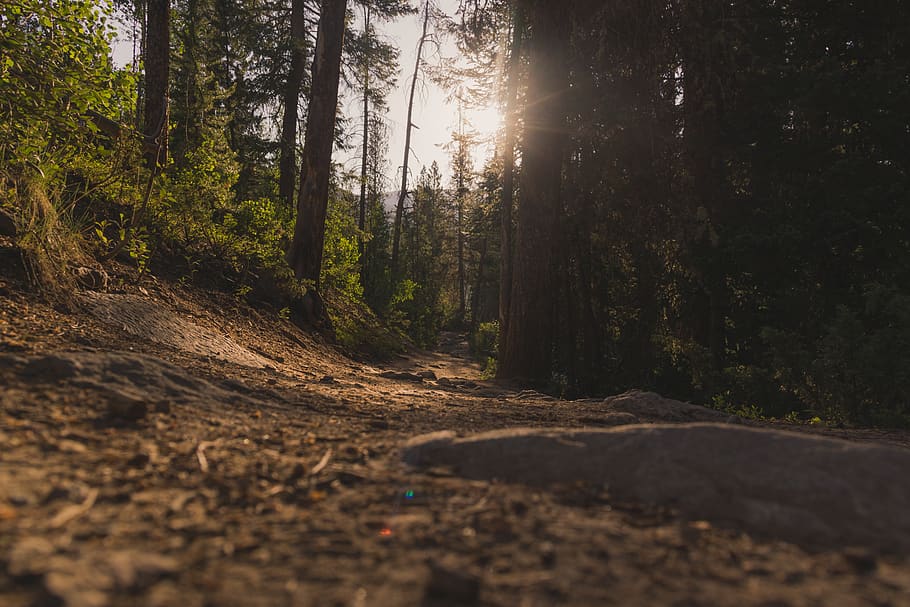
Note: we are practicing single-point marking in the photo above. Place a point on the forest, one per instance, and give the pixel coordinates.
(705, 199)
(495, 303)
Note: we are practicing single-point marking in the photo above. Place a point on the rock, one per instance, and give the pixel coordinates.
(444, 381)
(29, 556)
(654, 407)
(236, 385)
(92, 278)
(327, 379)
(71, 446)
(401, 376)
(453, 584)
(80, 587)
(813, 491)
(533, 394)
(7, 224)
(52, 368)
(139, 460)
(610, 419)
(427, 375)
(128, 407)
(134, 570)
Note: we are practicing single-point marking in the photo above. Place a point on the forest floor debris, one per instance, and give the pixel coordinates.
(234, 474)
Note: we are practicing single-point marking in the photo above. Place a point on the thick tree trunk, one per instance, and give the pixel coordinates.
(703, 74)
(305, 255)
(528, 339)
(403, 193)
(287, 163)
(508, 173)
(157, 68)
(142, 18)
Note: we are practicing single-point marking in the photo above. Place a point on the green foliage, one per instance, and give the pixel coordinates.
(56, 83)
(198, 220)
(859, 367)
(484, 340)
(341, 256)
(359, 331)
(414, 308)
(417, 303)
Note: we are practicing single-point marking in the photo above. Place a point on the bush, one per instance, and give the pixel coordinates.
(484, 341)
(859, 368)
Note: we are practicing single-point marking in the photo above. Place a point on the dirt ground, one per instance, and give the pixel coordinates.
(162, 446)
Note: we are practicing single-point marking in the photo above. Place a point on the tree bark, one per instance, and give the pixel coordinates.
(475, 296)
(459, 222)
(157, 68)
(288, 161)
(508, 174)
(403, 193)
(309, 231)
(529, 336)
(703, 108)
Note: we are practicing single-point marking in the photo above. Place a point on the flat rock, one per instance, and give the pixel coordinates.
(654, 407)
(401, 376)
(813, 491)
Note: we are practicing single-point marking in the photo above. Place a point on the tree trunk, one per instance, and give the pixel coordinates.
(508, 173)
(528, 339)
(459, 226)
(287, 163)
(142, 18)
(309, 231)
(703, 100)
(403, 193)
(361, 223)
(157, 67)
(475, 296)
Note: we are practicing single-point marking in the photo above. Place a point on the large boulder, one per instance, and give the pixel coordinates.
(814, 491)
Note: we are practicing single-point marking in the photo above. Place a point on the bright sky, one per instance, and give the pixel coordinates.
(434, 114)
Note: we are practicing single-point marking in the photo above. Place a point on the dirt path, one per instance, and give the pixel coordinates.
(164, 447)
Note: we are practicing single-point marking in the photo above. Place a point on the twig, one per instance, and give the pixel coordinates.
(200, 454)
(74, 511)
(322, 463)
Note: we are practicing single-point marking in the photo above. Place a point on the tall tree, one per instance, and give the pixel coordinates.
(528, 340)
(157, 73)
(462, 172)
(508, 170)
(305, 256)
(287, 163)
(403, 192)
(362, 211)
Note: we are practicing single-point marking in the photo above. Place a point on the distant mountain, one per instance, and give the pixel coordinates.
(390, 201)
